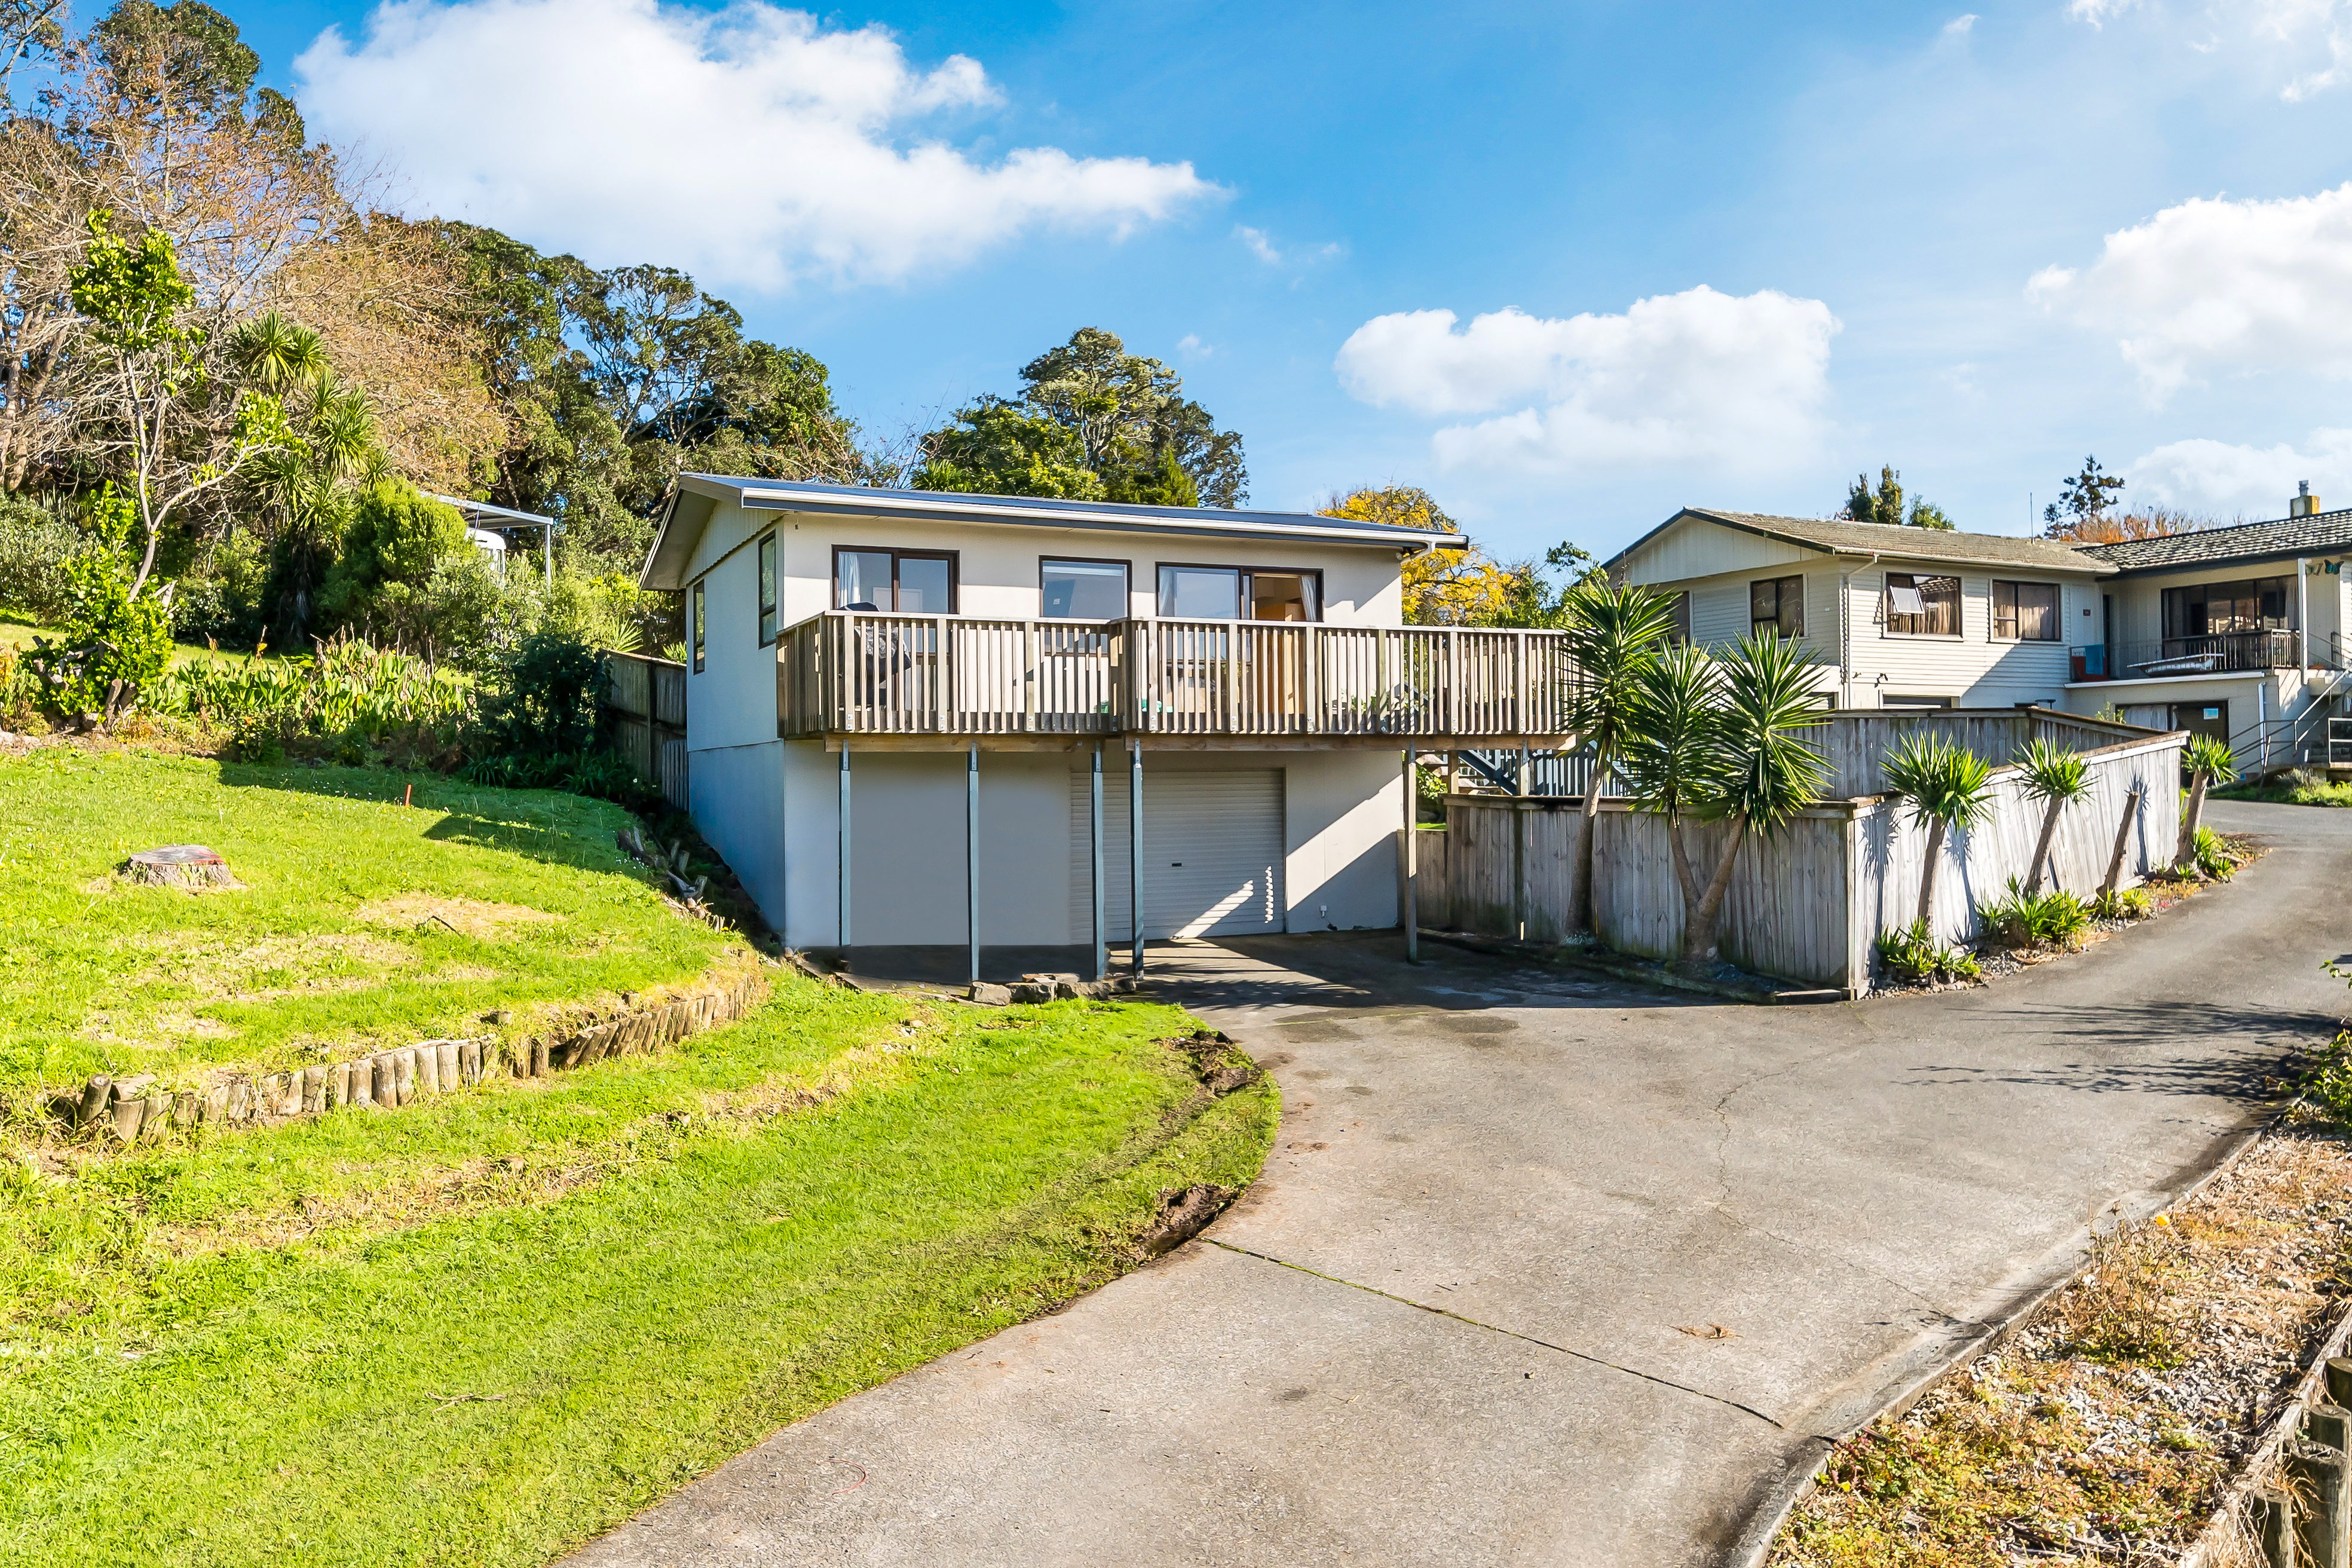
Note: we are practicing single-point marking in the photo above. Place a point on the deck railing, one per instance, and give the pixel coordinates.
(864, 674)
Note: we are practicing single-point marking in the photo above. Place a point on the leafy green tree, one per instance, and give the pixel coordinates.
(1000, 447)
(2056, 777)
(1926, 513)
(2081, 508)
(1946, 786)
(1883, 505)
(187, 55)
(117, 640)
(1135, 432)
(398, 535)
(179, 439)
(1615, 636)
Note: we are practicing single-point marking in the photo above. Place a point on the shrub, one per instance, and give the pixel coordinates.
(2124, 904)
(34, 548)
(1912, 954)
(2023, 920)
(397, 536)
(115, 644)
(220, 599)
(2211, 855)
(542, 699)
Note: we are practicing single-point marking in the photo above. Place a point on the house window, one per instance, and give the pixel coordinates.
(1922, 606)
(694, 623)
(1678, 633)
(1082, 590)
(2216, 610)
(767, 590)
(2025, 612)
(1777, 604)
(1232, 593)
(1913, 703)
(906, 582)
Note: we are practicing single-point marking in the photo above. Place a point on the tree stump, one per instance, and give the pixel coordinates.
(189, 865)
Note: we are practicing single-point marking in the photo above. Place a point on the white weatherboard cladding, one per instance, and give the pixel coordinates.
(1973, 668)
(1696, 548)
(1213, 854)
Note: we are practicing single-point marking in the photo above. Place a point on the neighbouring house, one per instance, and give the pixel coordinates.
(2239, 632)
(1894, 618)
(487, 527)
(874, 672)
(2236, 632)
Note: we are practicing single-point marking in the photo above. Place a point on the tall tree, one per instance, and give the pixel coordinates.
(1946, 786)
(1134, 431)
(1885, 503)
(1615, 636)
(2083, 506)
(1466, 587)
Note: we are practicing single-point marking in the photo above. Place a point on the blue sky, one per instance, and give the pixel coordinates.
(1976, 245)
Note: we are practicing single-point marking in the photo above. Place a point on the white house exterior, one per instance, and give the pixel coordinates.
(1892, 617)
(2236, 632)
(894, 650)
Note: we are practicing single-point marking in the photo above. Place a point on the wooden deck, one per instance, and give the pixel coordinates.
(921, 679)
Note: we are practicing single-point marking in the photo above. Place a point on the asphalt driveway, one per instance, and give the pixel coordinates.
(1549, 1272)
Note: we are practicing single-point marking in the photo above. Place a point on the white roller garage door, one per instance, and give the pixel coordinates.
(1212, 853)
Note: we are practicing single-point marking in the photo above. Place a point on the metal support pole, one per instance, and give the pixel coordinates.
(971, 857)
(842, 935)
(1411, 851)
(1519, 921)
(1135, 851)
(1102, 965)
(547, 545)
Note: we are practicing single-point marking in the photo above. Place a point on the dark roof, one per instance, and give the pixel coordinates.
(2322, 534)
(1840, 538)
(665, 559)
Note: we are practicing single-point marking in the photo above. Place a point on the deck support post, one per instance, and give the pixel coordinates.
(1409, 857)
(972, 856)
(1102, 965)
(841, 914)
(1519, 847)
(1135, 850)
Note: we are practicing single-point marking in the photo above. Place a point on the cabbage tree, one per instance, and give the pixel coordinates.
(1947, 787)
(1615, 636)
(2056, 777)
(2207, 760)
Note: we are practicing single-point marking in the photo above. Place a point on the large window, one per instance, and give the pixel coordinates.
(694, 623)
(1922, 606)
(2213, 609)
(2025, 612)
(1082, 590)
(1233, 594)
(1777, 604)
(1679, 607)
(907, 581)
(767, 590)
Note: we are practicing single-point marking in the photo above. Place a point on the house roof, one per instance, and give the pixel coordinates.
(665, 566)
(2322, 534)
(482, 514)
(1866, 538)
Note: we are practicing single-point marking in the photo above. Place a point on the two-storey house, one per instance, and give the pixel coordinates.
(1891, 617)
(2235, 632)
(918, 721)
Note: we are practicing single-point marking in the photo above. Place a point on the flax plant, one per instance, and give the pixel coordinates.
(2209, 761)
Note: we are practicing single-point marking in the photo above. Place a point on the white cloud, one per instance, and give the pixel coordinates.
(1960, 27)
(1190, 345)
(751, 145)
(1698, 376)
(2255, 482)
(2220, 286)
(2275, 36)
(1259, 246)
(2097, 12)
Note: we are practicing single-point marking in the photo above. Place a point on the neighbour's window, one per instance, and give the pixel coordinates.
(1913, 703)
(1923, 606)
(1082, 590)
(2216, 610)
(1231, 594)
(2025, 611)
(767, 590)
(694, 623)
(908, 581)
(1777, 604)
(1680, 632)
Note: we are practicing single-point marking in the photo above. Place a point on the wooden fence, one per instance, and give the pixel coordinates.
(644, 707)
(1809, 904)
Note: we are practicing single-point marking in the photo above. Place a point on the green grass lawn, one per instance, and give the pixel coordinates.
(362, 923)
(483, 1331)
(2312, 788)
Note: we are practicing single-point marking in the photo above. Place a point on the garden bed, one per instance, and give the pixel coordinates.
(2107, 1425)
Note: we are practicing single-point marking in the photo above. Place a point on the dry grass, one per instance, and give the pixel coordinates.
(482, 921)
(2107, 1427)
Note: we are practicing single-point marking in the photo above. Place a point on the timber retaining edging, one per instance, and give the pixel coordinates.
(394, 1079)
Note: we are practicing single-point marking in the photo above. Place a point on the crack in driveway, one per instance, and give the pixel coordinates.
(1493, 1329)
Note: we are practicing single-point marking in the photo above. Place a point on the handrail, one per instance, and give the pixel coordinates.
(847, 672)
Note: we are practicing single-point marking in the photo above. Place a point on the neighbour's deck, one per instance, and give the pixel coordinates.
(922, 678)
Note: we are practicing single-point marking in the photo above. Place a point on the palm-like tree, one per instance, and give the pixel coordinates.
(2056, 777)
(1615, 636)
(1722, 741)
(1947, 787)
(2208, 761)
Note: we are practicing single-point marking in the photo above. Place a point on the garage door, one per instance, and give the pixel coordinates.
(1212, 853)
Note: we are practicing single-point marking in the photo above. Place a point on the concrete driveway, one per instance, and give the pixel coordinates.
(1552, 1272)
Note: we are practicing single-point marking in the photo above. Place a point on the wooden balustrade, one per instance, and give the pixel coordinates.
(845, 673)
